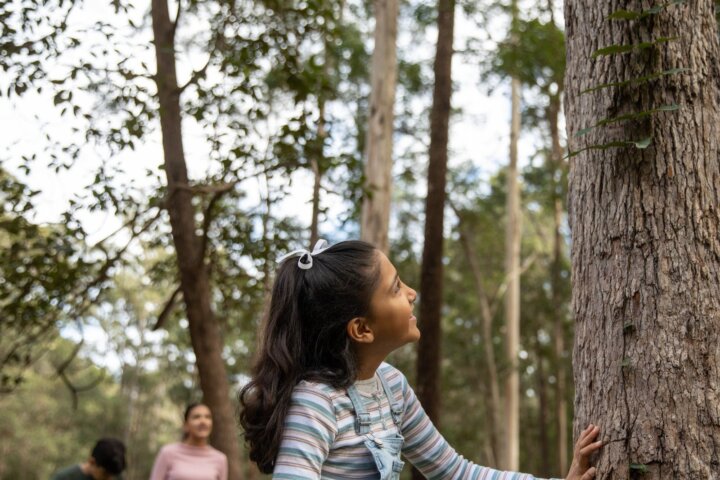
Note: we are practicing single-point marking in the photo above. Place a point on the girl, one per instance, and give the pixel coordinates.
(193, 458)
(322, 403)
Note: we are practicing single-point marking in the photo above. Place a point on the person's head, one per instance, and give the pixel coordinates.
(107, 459)
(389, 323)
(347, 298)
(197, 426)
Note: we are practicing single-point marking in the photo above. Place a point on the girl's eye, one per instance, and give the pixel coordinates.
(397, 286)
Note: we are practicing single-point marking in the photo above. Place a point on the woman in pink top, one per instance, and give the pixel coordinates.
(193, 458)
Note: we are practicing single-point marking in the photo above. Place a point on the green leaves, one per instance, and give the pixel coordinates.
(644, 143)
(615, 49)
(635, 15)
(533, 53)
(639, 468)
(641, 144)
(619, 49)
(627, 117)
(637, 81)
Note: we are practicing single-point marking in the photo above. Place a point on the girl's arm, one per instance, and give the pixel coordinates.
(430, 453)
(310, 429)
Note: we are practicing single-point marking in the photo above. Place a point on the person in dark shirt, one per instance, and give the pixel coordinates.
(107, 460)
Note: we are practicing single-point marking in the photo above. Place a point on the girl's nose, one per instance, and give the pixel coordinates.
(413, 295)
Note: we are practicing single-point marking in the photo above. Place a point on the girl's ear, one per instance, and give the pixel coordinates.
(359, 331)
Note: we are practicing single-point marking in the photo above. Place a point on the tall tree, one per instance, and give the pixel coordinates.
(318, 160)
(190, 247)
(431, 274)
(378, 150)
(644, 211)
(512, 271)
(487, 312)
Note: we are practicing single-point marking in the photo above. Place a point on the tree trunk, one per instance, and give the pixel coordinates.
(317, 177)
(431, 274)
(512, 295)
(556, 281)
(378, 149)
(492, 379)
(646, 245)
(194, 278)
(543, 412)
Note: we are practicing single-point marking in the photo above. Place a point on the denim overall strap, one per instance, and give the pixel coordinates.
(362, 417)
(396, 407)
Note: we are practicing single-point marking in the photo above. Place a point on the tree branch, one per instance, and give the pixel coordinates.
(217, 42)
(75, 389)
(218, 188)
(197, 74)
(177, 18)
(167, 309)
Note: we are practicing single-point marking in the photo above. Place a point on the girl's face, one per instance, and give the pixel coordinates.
(391, 309)
(198, 425)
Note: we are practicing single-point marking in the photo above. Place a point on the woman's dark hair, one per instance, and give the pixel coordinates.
(304, 338)
(190, 408)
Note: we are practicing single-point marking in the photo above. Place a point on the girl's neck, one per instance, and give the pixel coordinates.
(195, 442)
(368, 363)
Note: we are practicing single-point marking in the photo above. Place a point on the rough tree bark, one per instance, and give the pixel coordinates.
(431, 273)
(646, 245)
(205, 333)
(378, 149)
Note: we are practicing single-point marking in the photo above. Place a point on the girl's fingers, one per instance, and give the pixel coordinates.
(589, 474)
(585, 432)
(591, 448)
(588, 435)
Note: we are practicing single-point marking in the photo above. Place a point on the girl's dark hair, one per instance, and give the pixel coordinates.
(304, 338)
(190, 408)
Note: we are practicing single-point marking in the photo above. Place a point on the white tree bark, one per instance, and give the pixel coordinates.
(378, 149)
(512, 295)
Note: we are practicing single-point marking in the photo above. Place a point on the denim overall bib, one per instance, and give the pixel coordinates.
(385, 448)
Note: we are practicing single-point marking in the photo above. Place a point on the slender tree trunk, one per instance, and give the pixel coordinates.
(646, 244)
(493, 383)
(512, 295)
(317, 177)
(194, 279)
(556, 279)
(543, 412)
(318, 163)
(431, 275)
(267, 263)
(378, 149)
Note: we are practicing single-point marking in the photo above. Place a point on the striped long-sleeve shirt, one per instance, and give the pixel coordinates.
(319, 439)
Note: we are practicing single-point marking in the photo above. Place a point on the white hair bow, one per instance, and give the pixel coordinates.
(305, 261)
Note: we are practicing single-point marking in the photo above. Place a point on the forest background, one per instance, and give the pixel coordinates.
(275, 98)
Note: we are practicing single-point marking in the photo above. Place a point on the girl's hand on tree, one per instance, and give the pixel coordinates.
(585, 446)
